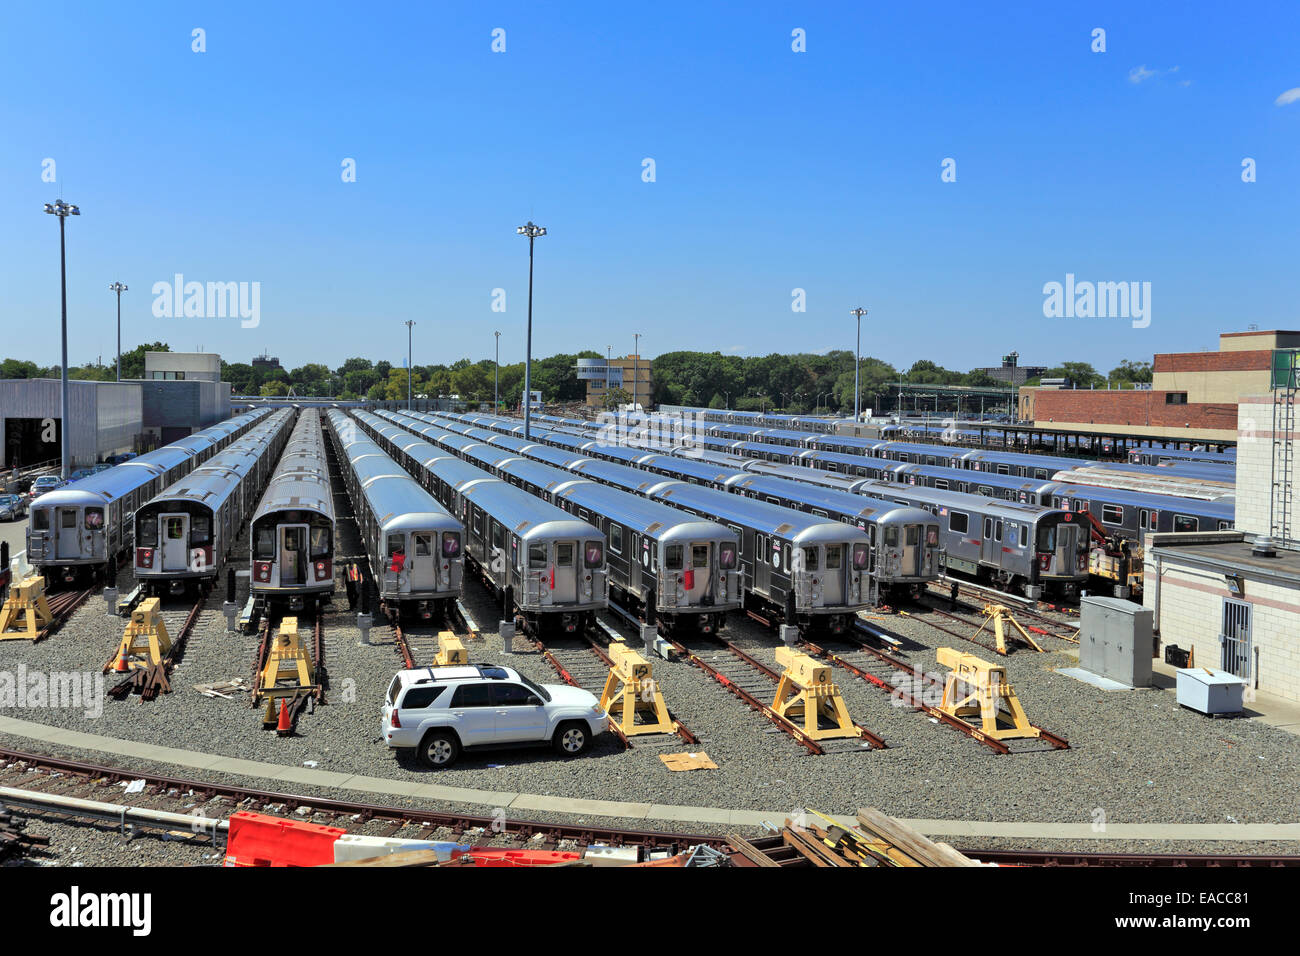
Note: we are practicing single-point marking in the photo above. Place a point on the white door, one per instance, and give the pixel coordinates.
(175, 541)
(472, 713)
(833, 577)
(515, 717)
(293, 554)
(424, 572)
(68, 542)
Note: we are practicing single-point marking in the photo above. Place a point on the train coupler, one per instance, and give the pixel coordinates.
(806, 697)
(26, 611)
(145, 641)
(977, 688)
(631, 692)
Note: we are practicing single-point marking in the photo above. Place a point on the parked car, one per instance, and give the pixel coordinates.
(118, 459)
(102, 466)
(440, 711)
(43, 484)
(80, 473)
(12, 507)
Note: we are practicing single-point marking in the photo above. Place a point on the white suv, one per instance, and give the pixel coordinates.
(441, 710)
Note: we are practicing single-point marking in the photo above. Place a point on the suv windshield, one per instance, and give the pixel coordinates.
(535, 688)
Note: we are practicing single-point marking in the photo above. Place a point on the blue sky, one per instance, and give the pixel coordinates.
(774, 171)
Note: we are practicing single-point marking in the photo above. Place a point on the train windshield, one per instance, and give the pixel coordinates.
(146, 530)
(811, 559)
(536, 556)
(1047, 538)
(320, 542)
(264, 545)
(673, 557)
(891, 536)
(200, 529)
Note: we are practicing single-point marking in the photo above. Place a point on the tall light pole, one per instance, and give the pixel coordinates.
(857, 367)
(636, 365)
(609, 357)
(63, 210)
(496, 378)
(409, 324)
(533, 232)
(119, 288)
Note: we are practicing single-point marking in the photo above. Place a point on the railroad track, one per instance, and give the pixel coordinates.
(63, 604)
(918, 690)
(754, 682)
(155, 679)
(299, 700)
(22, 770)
(1044, 625)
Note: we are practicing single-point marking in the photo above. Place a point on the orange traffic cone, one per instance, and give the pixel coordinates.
(122, 666)
(283, 728)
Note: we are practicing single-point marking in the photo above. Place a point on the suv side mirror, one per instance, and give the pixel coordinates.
(534, 701)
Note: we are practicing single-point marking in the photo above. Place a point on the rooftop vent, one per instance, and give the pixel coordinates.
(1264, 547)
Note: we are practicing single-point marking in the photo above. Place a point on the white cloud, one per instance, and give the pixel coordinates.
(1140, 73)
(1289, 97)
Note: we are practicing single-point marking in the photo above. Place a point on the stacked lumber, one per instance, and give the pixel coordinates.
(877, 840)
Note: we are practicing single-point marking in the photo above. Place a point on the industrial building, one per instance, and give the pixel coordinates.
(1233, 597)
(182, 366)
(632, 373)
(106, 418)
(1193, 395)
(1012, 372)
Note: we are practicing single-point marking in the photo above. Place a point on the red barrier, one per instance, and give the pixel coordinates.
(255, 839)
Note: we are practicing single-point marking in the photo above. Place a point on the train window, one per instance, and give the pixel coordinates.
(41, 520)
(423, 545)
(564, 555)
(593, 554)
(997, 531)
(859, 557)
(1024, 535)
(941, 484)
(536, 556)
(616, 537)
(1112, 514)
(958, 522)
(700, 556)
(773, 501)
(819, 513)
(175, 529)
(320, 542)
(834, 557)
(396, 544)
(891, 537)
(1225, 525)
(913, 535)
(988, 528)
(1047, 538)
(1081, 507)
(932, 536)
(478, 523)
(450, 544)
(1004, 470)
(200, 529)
(986, 491)
(1184, 523)
(264, 546)
(1040, 474)
(146, 532)
(810, 559)
(498, 536)
(1155, 520)
(727, 556)
(673, 557)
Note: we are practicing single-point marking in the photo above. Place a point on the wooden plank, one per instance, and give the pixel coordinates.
(914, 844)
(750, 852)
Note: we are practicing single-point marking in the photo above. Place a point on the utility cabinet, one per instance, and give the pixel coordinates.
(1115, 639)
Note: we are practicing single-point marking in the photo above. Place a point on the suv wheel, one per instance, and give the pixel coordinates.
(572, 738)
(439, 749)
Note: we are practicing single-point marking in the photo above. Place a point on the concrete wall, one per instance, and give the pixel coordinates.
(1255, 465)
(1191, 615)
(103, 417)
(202, 366)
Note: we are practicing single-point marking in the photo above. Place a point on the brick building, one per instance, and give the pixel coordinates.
(1193, 395)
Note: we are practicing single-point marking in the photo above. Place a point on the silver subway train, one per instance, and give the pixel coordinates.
(291, 535)
(85, 527)
(185, 533)
(414, 545)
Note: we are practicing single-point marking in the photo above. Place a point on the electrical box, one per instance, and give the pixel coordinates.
(1115, 639)
(1210, 691)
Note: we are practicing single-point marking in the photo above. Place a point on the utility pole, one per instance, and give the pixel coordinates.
(857, 366)
(496, 378)
(636, 365)
(409, 324)
(63, 210)
(533, 232)
(119, 288)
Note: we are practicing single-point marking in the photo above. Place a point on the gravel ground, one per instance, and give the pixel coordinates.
(1136, 756)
